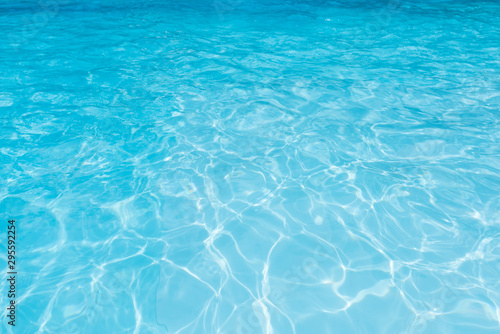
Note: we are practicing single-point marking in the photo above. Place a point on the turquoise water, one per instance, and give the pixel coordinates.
(240, 167)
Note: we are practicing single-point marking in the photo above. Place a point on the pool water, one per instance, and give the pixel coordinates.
(259, 166)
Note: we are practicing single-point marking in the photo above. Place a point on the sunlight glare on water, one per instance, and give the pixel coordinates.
(261, 166)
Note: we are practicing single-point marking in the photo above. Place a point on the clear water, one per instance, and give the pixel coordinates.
(261, 166)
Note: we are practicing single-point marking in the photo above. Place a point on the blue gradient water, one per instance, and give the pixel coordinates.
(252, 166)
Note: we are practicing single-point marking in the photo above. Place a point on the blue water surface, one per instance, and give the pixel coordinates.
(257, 166)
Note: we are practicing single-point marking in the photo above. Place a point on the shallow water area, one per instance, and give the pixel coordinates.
(227, 166)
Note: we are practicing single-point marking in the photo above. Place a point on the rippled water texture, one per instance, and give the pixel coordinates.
(261, 166)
